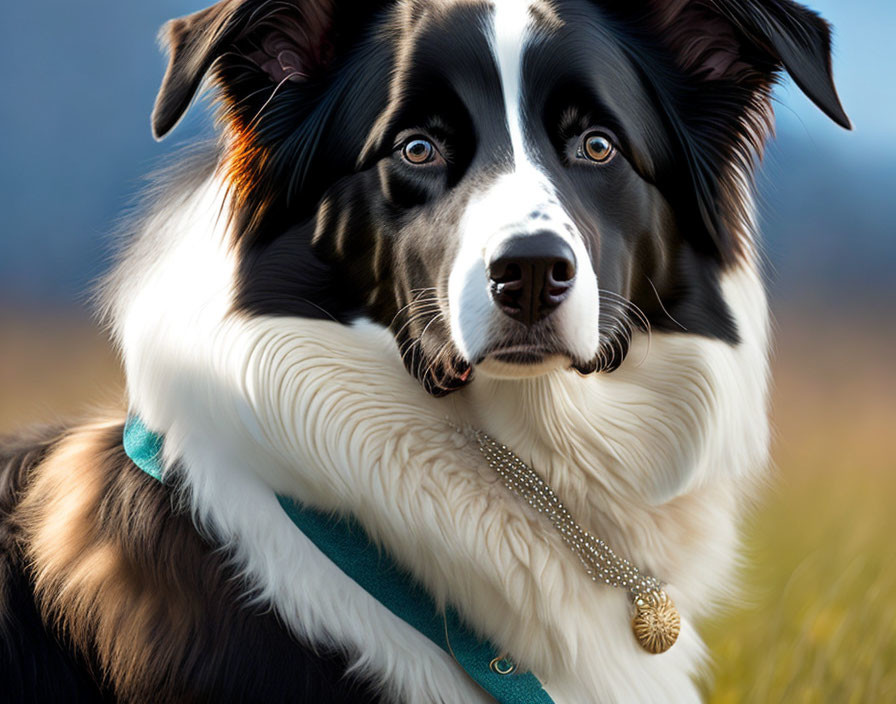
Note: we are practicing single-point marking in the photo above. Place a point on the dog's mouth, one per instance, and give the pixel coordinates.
(523, 355)
(523, 360)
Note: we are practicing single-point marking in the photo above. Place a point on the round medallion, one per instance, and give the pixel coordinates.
(656, 622)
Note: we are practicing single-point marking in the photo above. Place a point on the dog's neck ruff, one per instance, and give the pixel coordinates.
(347, 545)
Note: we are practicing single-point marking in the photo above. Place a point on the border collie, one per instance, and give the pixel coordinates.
(528, 218)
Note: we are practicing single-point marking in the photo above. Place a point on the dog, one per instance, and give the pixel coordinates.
(424, 221)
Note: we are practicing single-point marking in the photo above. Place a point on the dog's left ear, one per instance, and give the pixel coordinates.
(249, 43)
(745, 40)
(796, 37)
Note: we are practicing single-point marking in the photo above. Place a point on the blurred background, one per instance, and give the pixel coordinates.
(818, 622)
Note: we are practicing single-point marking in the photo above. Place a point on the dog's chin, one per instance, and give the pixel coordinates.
(500, 369)
(521, 362)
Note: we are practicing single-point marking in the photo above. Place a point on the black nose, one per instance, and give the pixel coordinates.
(531, 275)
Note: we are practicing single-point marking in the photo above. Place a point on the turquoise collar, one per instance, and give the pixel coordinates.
(345, 543)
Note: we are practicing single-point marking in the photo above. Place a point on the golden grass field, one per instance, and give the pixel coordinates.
(819, 619)
(820, 623)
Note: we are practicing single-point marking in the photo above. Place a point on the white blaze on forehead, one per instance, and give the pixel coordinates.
(512, 30)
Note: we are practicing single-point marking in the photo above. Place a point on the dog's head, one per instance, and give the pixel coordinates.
(508, 186)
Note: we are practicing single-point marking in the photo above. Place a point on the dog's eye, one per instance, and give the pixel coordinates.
(597, 147)
(419, 150)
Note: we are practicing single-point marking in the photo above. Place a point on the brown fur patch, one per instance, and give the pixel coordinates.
(113, 565)
(84, 579)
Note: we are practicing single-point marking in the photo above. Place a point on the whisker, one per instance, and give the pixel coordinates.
(416, 316)
(322, 310)
(436, 317)
(662, 305)
(437, 358)
(629, 307)
(408, 305)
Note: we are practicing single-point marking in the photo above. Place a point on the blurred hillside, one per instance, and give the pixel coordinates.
(829, 224)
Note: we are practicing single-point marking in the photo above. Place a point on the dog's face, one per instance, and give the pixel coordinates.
(509, 186)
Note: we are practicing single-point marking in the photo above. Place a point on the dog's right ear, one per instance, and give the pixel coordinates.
(265, 42)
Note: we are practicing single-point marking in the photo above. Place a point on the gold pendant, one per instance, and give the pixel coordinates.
(656, 622)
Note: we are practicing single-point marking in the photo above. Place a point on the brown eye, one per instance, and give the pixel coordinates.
(598, 147)
(418, 151)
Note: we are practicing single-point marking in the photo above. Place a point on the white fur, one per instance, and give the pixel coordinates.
(510, 33)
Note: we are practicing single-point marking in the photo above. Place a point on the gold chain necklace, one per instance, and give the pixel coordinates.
(655, 620)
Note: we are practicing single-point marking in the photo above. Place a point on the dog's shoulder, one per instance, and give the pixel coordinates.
(35, 664)
(107, 589)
